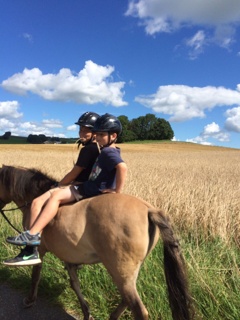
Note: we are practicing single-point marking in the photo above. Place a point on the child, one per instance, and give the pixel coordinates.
(108, 175)
(59, 195)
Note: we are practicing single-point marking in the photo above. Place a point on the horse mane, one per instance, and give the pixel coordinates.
(25, 183)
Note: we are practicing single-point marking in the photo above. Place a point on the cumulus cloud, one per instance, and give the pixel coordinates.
(9, 110)
(211, 131)
(93, 84)
(232, 122)
(11, 120)
(5, 123)
(26, 128)
(167, 16)
(184, 103)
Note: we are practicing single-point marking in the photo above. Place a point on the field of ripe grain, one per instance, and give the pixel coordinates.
(198, 186)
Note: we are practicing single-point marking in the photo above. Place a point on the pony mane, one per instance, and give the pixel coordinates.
(24, 183)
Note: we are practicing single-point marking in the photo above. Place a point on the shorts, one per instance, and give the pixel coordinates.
(78, 192)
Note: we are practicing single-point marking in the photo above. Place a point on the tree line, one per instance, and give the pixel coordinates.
(147, 127)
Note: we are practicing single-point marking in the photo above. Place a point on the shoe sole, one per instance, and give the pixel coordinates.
(36, 243)
(22, 263)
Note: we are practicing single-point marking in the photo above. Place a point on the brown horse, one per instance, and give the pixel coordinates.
(116, 230)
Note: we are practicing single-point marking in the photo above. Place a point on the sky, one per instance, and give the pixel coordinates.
(176, 59)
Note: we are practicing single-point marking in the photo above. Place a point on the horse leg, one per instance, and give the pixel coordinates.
(132, 300)
(32, 297)
(75, 285)
(118, 311)
(126, 283)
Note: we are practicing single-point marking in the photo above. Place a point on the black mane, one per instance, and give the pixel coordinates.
(25, 183)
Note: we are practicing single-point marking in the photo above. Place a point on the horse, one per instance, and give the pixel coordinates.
(117, 230)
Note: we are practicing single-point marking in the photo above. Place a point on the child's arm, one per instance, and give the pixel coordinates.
(121, 173)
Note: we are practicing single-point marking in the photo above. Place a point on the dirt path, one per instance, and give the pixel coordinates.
(11, 307)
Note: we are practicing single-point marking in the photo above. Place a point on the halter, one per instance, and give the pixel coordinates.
(13, 209)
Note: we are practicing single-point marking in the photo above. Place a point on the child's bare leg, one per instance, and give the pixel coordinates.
(37, 205)
(59, 196)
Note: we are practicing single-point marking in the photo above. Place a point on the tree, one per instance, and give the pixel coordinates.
(6, 135)
(147, 127)
(34, 138)
(127, 134)
(161, 130)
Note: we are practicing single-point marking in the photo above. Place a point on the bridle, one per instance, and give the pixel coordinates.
(2, 205)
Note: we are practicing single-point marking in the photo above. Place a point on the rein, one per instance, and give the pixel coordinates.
(6, 218)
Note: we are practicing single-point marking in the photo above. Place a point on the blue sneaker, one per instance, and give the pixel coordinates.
(25, 258)
(25, 238)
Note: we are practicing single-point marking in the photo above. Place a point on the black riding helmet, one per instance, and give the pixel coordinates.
(108, 123)
(88, 119)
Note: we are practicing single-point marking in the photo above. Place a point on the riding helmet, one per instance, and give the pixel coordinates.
(108, 123)
(87, 119)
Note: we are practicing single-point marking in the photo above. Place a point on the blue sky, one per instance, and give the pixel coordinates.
(179, 60)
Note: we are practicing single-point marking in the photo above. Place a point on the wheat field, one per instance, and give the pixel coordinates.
(197, 186)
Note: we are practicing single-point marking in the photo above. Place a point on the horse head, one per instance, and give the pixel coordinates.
(19, 184)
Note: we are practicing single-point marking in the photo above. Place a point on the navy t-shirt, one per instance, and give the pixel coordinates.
(86, 159)
(103, 172)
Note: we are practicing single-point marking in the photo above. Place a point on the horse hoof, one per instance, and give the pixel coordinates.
(28, 303)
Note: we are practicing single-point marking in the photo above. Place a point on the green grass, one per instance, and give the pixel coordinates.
(213, 268)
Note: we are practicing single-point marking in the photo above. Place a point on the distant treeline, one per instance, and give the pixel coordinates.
(147, 127)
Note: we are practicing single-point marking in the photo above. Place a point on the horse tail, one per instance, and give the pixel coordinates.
(174, 268)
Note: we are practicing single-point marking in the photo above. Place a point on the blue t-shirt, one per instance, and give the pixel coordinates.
(103, 172)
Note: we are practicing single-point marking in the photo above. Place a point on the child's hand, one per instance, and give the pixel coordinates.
(108, 191)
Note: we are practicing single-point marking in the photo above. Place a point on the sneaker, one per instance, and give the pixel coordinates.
(24, 259)
(25, 238)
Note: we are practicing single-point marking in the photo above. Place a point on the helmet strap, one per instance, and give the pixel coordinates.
(109, 141)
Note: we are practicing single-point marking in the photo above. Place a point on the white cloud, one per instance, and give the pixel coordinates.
(9, 109)
(199, 140)
(167, 16)
(196, 43)
(6, 125)
(10, 120)
(211, 128)
(211, 131)
(93, 84)
(184, 103)
(233, 120)
(175, 13)
(72, 127)
(52, 123)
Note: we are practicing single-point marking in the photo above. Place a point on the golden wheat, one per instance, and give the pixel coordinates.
(197, 186)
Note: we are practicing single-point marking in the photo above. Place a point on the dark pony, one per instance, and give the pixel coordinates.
(25, 183)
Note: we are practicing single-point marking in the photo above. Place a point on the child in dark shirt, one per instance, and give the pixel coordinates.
(61, 193)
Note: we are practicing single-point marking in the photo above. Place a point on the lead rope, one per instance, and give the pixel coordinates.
(6, 218)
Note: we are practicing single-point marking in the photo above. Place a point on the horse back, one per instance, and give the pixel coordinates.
(94, 229)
